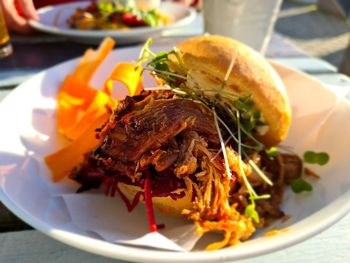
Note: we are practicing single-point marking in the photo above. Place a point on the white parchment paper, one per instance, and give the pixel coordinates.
(109, 218)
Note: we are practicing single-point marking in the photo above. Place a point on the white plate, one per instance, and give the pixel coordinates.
(28, 134)
(53, 19)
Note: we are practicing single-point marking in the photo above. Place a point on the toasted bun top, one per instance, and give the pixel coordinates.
(208, 58)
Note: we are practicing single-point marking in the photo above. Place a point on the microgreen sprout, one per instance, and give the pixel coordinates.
(220, 150)
(260, 172)
(320, 158)
(272, 152)
(164, 72)
(223, 146)
(145, 53)
(300, 184)
(250, 211)
(233, 136)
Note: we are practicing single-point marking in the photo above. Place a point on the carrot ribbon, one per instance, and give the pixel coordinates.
(81, 108)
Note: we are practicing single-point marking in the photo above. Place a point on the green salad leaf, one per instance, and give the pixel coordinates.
(300, 185)
(320, 158)
(151, 18)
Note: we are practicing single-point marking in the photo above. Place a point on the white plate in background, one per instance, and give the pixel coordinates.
(53, 20)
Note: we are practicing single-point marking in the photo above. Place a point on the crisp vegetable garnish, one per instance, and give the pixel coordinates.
(316, 158)
(300, 184)
(82, 109)
(62, 162)
(77, 100)
(127, 74)
(272, 152)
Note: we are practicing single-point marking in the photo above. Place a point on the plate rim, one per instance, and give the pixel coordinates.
(117, 251)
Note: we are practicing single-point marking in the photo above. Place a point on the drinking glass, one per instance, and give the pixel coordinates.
(249, 21)
(5, 44)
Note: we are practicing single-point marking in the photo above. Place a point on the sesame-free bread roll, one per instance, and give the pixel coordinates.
(208, 59)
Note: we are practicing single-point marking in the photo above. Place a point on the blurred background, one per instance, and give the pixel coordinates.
(320, 28)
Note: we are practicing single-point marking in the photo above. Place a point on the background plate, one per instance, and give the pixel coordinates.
(53, 19)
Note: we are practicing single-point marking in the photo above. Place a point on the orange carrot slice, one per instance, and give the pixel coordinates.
(92, 59)
(127, 74)
(62, 162)
(75, 95)
(97, 108)
(82, 109)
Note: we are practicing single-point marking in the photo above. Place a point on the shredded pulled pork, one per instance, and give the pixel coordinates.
(175, 140)
(212, 210)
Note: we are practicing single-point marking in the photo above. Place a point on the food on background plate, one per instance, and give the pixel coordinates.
(110, 15)
(200, 144)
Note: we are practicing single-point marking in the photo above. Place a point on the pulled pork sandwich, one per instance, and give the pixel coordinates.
(199, 144)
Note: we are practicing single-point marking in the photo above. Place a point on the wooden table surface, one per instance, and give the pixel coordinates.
(34, 54)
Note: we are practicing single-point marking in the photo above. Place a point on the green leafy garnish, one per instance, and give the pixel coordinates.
(320, 158)
(250, 116)
(244, 104)
(145, 53)
(250, 212)
(160, 64)
(272, 152)
(300, 185)
(151, 18)
(106, 8)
